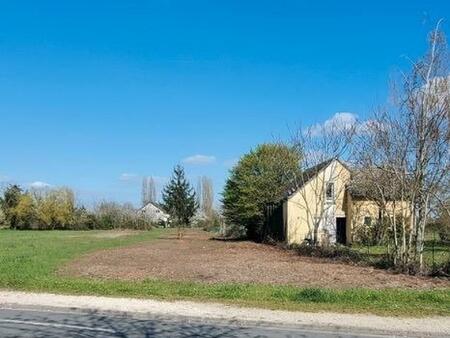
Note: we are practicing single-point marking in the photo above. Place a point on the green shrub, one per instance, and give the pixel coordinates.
(258, 179)
(111, 215)
(3, 222)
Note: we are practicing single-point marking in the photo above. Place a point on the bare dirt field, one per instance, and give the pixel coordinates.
(198, 258)
(107, 234)
(115, 233)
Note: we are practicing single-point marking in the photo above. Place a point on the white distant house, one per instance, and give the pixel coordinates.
(155, 213)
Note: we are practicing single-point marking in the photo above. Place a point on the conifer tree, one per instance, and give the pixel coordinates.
(179, 199)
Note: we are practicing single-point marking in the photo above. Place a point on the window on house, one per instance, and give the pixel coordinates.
(368, 221)
(329, 191)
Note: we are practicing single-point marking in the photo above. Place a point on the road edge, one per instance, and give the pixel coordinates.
(230, 313)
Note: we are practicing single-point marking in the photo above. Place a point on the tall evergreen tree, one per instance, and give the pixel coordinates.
(179, 199)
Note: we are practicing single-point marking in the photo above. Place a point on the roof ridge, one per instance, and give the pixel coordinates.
(311, 172)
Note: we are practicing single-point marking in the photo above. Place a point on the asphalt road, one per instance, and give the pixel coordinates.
(20, 322)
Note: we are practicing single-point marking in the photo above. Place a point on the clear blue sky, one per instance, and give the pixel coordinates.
(95, 94)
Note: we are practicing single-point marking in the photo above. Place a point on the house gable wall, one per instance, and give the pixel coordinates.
(308, 205)
(154, 214)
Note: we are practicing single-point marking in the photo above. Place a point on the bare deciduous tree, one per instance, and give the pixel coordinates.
(207, 203)
(205, 195)
(404, 152)
(148, 190)
(198, 193)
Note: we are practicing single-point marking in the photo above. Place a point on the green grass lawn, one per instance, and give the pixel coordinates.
(29, 261)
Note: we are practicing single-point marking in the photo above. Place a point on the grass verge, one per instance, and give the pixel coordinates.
(29, 260)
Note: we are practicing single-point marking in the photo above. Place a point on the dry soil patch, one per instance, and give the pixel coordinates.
(115, 234)
(198, 258)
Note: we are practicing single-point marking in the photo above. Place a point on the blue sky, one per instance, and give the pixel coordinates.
(95, 94)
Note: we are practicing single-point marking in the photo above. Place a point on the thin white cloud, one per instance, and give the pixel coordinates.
(199, 159)
(39, 185)
(342, 121)
(4, 178)
(339, 121)
(126, 177)
(369, 126)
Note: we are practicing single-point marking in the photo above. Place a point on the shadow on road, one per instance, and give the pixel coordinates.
(94, 324)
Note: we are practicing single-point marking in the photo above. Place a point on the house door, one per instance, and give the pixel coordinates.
(340, 230)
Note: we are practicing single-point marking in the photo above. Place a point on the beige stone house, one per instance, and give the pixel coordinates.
(155, 213)
(323, 206)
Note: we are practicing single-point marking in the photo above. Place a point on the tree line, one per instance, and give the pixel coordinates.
(56, 209)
